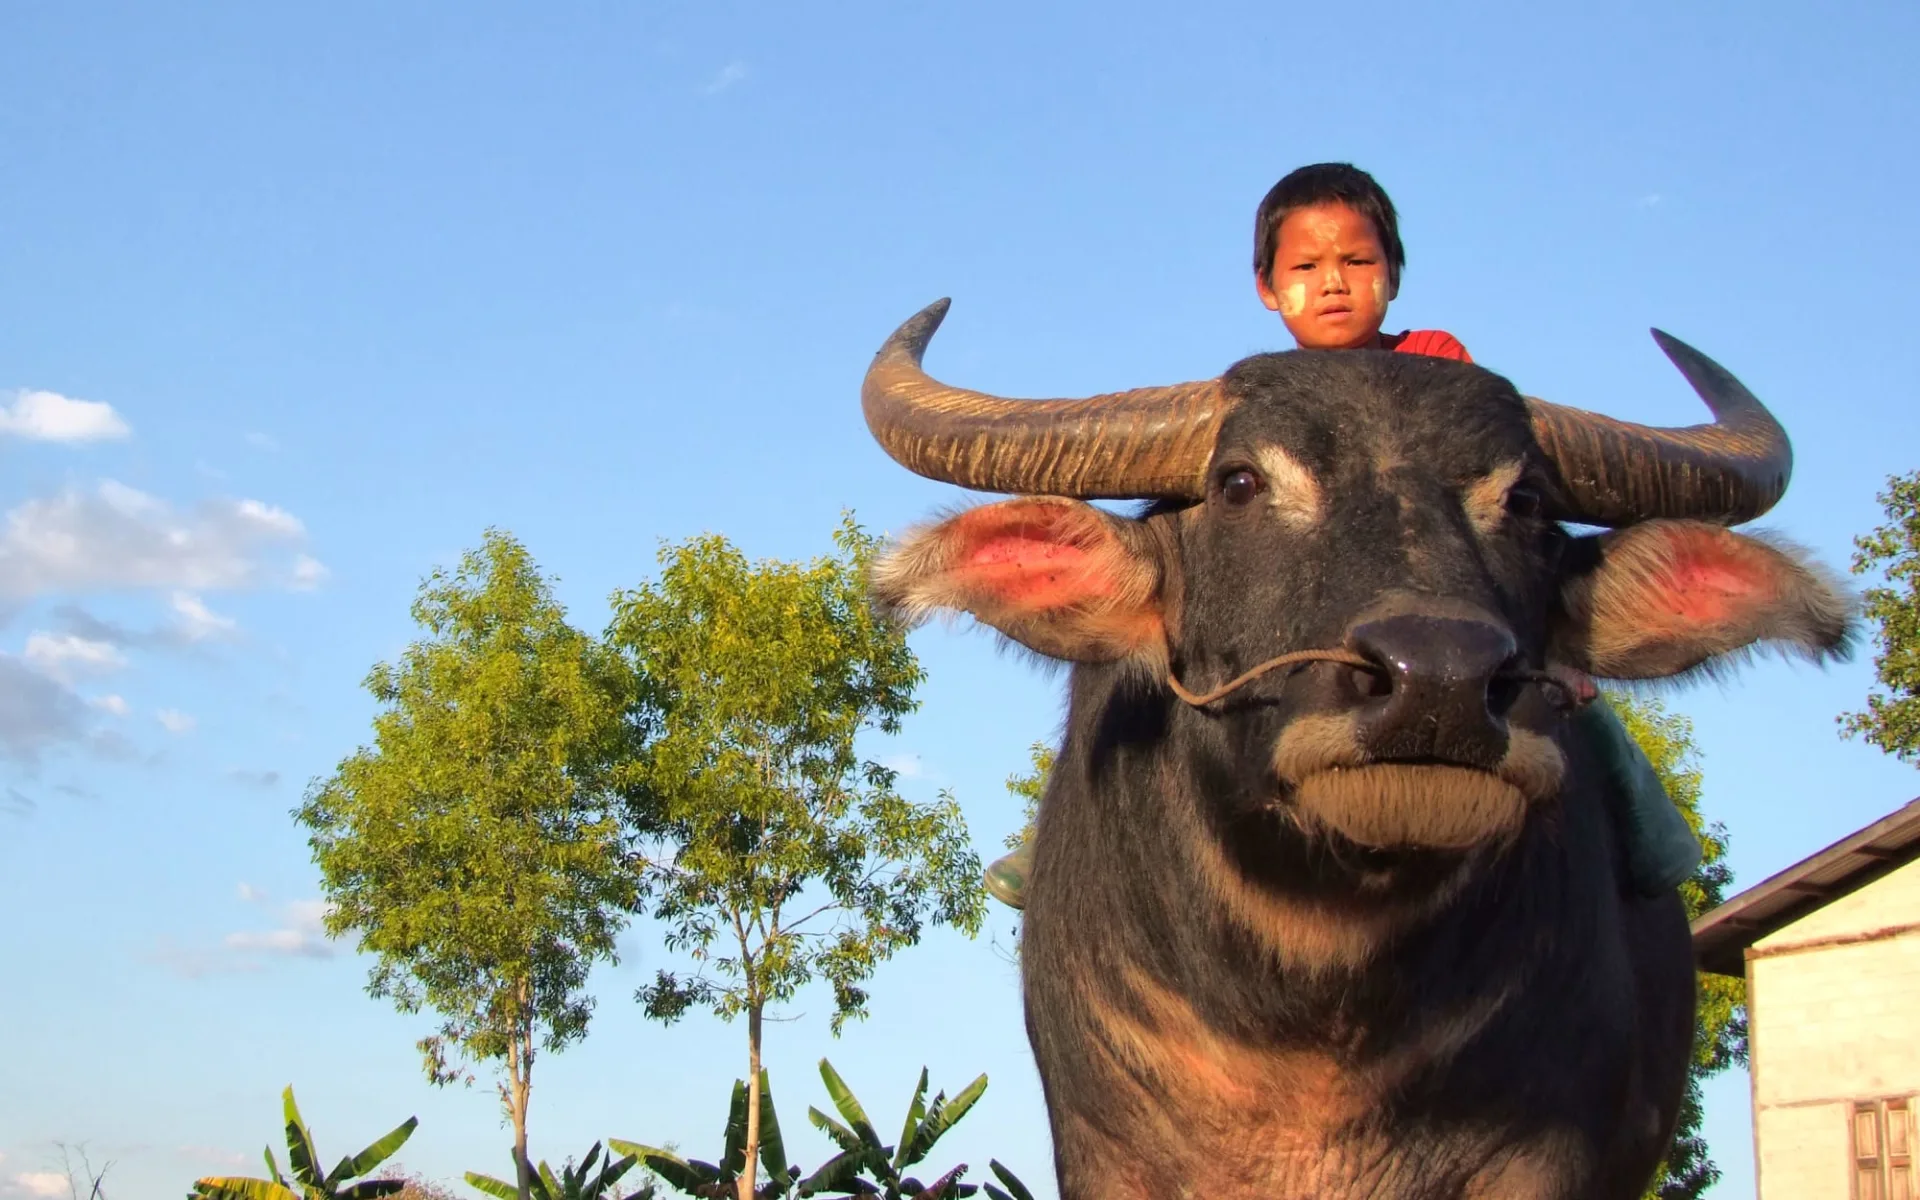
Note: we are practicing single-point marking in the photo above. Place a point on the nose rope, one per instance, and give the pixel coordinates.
(1575, 688)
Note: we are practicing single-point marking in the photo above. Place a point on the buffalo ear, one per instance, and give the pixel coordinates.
(1665, 597)
(1060, 577)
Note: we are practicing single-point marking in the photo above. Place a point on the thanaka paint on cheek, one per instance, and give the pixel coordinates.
(1293, 301)
(1379, 294)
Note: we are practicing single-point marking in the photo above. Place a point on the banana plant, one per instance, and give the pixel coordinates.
(572, 1183)
(1015, 1189)
(307, 1182)
(867, 1167)
(720, 1181)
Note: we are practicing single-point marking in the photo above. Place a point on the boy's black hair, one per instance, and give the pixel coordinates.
(1327, 183)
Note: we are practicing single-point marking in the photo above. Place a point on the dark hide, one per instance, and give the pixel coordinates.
(1228, 996)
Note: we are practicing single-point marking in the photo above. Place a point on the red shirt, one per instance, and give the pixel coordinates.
(1430, 342)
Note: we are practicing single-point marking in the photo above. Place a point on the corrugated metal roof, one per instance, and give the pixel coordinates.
(1721, 937)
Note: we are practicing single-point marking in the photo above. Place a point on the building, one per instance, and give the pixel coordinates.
(1830, 948)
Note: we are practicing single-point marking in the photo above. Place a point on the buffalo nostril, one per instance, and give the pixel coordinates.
(1503, 691)
(1369, 683)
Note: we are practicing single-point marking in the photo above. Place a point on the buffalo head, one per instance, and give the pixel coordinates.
(1391, 524)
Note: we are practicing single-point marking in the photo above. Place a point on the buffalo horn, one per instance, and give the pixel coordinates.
(1615, 472)
(1149, 442)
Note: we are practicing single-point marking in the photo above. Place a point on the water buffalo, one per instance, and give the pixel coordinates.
(1326, 902)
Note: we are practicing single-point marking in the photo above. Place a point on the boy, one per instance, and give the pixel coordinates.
(1327, 258)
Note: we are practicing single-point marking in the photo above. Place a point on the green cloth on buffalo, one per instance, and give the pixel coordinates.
(1661, 849)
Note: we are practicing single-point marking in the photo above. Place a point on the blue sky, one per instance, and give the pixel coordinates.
(341, 287)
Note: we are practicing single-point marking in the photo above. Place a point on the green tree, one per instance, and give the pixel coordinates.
(475, 849)
(776, 852)
(1892, 717)
(1027, 789)
(1720, 1029)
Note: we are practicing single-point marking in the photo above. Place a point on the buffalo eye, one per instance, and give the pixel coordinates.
(1523, 502)
(1238, 487)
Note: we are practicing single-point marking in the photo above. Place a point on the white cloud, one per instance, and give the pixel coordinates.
(40, 1183)
(729, 75)
(198, 623)
(309, 915)
(65, 656)
(229, 1159)
(254, 779)
(906, 766)
(263, 441)
(51, 417)
(117, 705)
(174, 721)
(1650, 200)
(37, 711)
(308, 573)
(275, 520)
(301, 934)
(119, 537)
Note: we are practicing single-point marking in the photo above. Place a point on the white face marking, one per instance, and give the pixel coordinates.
(1485, 499)
(1293, 301)
(1291, 489)
(1380, 298)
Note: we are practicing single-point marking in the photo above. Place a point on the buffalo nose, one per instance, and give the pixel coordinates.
(1438, 691)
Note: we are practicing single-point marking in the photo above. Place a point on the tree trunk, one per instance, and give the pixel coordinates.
(520, 1084)
(748, 1171)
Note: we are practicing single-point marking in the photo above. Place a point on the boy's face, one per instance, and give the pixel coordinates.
(1330, 281)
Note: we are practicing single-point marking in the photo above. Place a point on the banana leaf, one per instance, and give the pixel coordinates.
(734, 1158)
(301, 1155)
(359, 1164)
(942, 1116)
(1015, 1189)
(849, 1106)
(915, 1111)
(678, 1172)
(493, 1187)
(230, 1187)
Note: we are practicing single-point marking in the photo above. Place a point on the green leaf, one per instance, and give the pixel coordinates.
(373, 1189)
(849, 1106)
(1014, 1186)
(733, 1160)
(273, 1168)
(678, 1172)
(494, 1187)
(839, 1173)
(915, 1111)
(843, 1137)
(375, 1154)
(301, 1156)
(943, 1117)
(231, 1187)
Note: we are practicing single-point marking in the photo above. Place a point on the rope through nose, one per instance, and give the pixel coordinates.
(1575, 689)
(1245, 677)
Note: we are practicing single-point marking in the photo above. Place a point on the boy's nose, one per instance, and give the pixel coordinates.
(1334, 281)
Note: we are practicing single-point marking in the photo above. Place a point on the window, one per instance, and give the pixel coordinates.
(1883, 1137)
